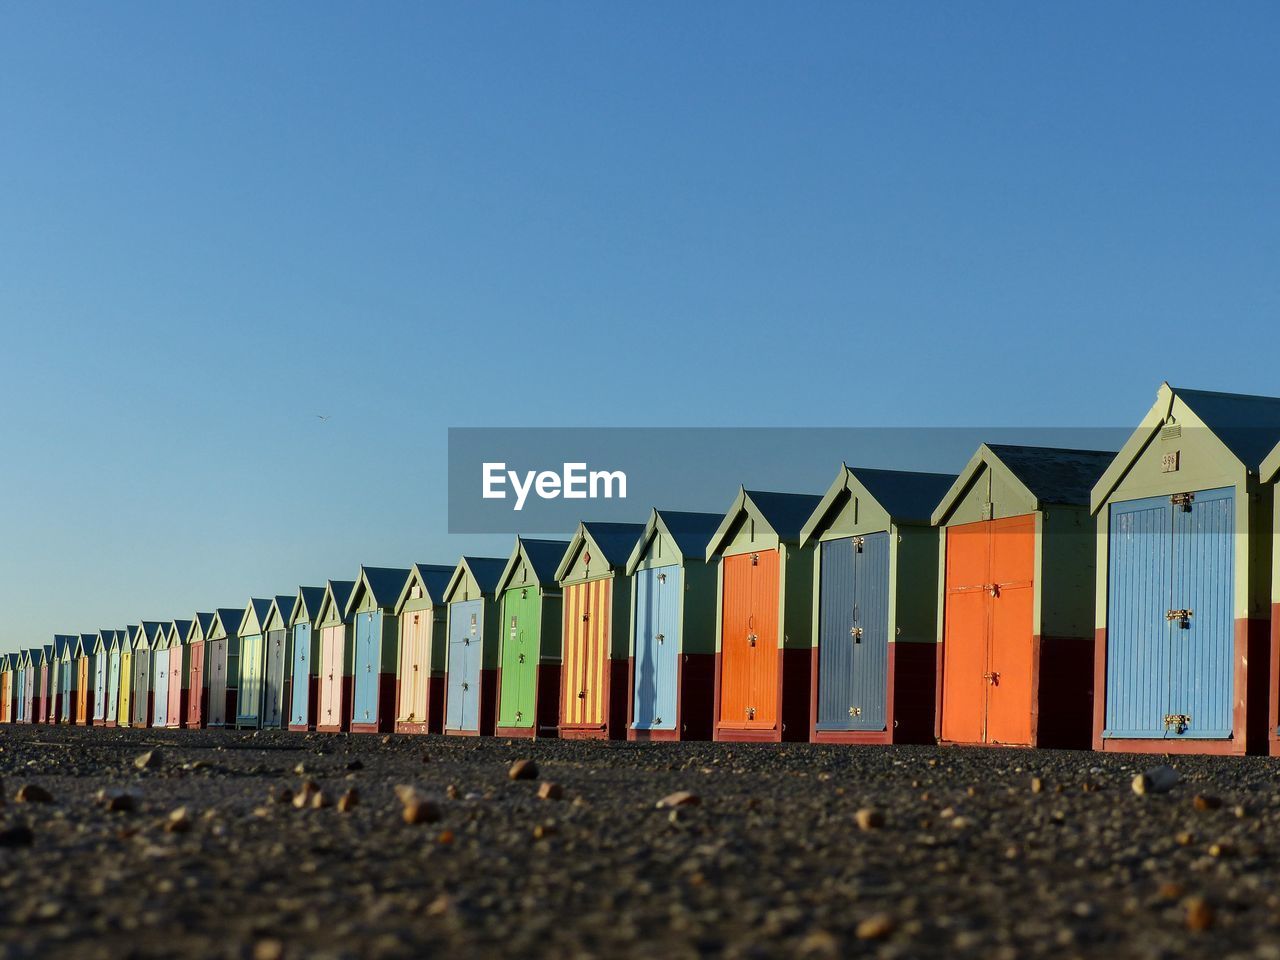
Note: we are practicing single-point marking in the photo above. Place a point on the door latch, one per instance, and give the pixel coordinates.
(751, 713)
(1183, 500)
(582, 694)
(521, 659)
(660, 638)
(856, 633)
(858, 544)
(1179, 722)
(855, 711)
(466, 686)
(995, 589)
(992, 678)
(751, 639)
(1182, 616)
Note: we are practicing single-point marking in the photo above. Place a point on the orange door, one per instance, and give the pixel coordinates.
(82, 692)
(749, 641)
(586, 653)
(1012, 602)
(988, 626)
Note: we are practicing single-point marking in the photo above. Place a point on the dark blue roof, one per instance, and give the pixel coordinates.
(385, 583)
(183, 627)
(486, 570)
(1248, 425)
(786, 513)
(206, 622)
(1055, 474)
(311, 597)
(904, 494)
(285, 606)
(435, 579)
(691, 531)
(617, 540)
(230, 618)
(342, 590)
(544, 557)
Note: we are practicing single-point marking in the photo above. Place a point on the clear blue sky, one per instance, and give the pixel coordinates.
(219, 220)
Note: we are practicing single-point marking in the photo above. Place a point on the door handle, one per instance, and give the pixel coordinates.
(993, 678)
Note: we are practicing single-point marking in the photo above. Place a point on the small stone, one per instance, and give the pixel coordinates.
(451, 791)
(149, 760)
(319, 801)
(876, 927)
(1159, 779)
(869, 819)
(961, 823)
(1204, 803)
(268, 950)
(545, 830)
(417, 807)
(444, 838)
(300, 769)
(33, 793)
(386, 741)
(116, 800)
(1184, 838)
(1037, 785)
(1240, 812)
(1198, 914)
(1221, 849)
(440, 905)
(550, 791)
(681, 798)
(178, 821)
(819, 945)
(523, 770)
(347, 802)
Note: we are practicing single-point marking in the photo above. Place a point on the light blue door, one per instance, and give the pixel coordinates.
(367, 660)
(463, 697)
(300, 699)
(1170, 621)
(657, 646)
(160, 708)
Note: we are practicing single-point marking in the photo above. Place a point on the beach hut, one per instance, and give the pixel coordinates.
(222, 646)
(764, 606)
(20, 674)
(1270, 474)
(1016, 567)
(46, 690)
(471, 664)
(85, 675)
(375, 633)
(30, 684)
(66, 646)
(1181, 650)
(875, 626)
(252, 663)
(102, 641)
(197, 663)
(276, 659)
(304, 673)
(421, 612)
(141, 691)
(175, 641)
(6, 688)
(334, 694)
(672, 662)
(596, 596)
(160, 679)
(529, 639)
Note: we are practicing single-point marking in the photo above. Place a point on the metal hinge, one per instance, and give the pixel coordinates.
(1182, 616)
(1178, 720)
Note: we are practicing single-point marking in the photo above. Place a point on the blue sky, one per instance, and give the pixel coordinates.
(217, 221)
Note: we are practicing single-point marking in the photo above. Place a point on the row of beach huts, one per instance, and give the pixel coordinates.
(1042, 597)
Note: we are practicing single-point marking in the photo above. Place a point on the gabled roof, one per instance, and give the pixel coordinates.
(283, 606)
(486, 571)
(434, 578)
(202, 620)
(259, 606)
(61, 642)
(690, 532)
(306, 605)
(543, 556)
(1047, 475)
(784, 513)
(86, 644)
(1248, 427)
(613, 541)
(338, 593)
(178, 630)
(905, 495)
(383, 583)
(229, 618)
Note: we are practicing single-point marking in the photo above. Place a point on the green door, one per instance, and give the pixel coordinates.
(520, 609)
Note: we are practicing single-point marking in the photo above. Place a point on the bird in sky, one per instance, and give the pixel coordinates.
(321, 416)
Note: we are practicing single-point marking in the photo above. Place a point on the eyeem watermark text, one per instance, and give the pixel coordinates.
(573, 482)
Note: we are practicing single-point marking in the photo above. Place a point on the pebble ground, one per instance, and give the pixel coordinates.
(776, 859)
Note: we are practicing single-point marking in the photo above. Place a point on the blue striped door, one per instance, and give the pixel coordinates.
(853, 639)
(465, 632)
(835, 635)
(368, 630)
(300, 700)
(1202, 648)
(657, 657)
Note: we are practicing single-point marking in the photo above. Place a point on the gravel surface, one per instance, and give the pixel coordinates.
(787, 851)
